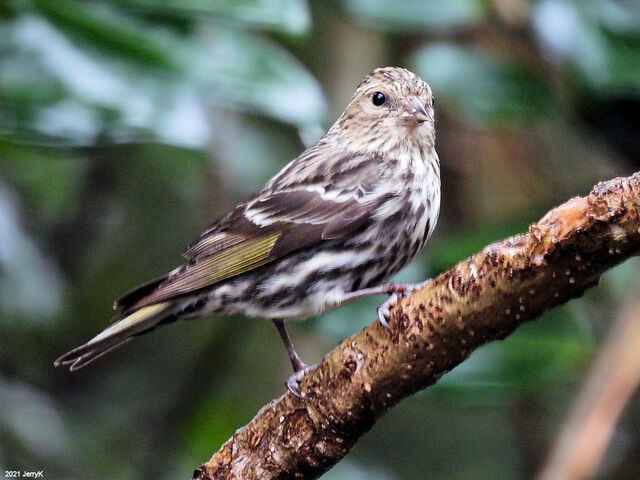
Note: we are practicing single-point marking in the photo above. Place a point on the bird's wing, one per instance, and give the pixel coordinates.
(265, 228)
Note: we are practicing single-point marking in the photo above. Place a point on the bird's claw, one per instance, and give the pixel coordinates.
(384, 310)
(293, 382)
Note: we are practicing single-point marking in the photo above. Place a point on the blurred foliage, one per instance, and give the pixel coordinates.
(126, 127)
(416, 15)
(500, 93)
(84, 72)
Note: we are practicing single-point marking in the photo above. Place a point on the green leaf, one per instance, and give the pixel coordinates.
(84, 93)
(616, 16)
(258, 75)
(286, 16)
(416, 14)
(597, 40)
(6, 9)
(104, 27)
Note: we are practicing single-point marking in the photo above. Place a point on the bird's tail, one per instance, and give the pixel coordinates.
(129, 325)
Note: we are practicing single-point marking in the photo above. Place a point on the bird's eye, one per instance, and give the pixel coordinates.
(378, 99)
(433, 101)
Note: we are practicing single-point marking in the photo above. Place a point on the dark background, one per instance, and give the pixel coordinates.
(126, 127)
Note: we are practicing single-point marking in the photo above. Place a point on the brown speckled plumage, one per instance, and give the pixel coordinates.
(345, 215)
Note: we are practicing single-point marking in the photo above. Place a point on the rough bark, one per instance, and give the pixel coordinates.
(482, 298)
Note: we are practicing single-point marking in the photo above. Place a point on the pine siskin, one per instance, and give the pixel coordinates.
(347, 214)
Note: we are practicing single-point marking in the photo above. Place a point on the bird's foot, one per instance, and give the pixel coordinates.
(398, 291)
(293, 383)
(384, 310)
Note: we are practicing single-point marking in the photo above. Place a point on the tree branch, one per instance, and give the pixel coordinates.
(482, 298)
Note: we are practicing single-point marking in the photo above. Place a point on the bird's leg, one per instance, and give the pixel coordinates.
(299, 367)
(395, 290)
(296, 361)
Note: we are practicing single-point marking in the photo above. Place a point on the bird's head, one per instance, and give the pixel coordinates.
(391, 110)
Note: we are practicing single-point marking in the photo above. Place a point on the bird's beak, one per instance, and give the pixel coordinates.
(415, 111)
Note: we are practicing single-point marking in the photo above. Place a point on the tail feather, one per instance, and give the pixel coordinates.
(129, 299)
(135, 323)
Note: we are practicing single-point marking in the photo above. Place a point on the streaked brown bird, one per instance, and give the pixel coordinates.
(344, 216)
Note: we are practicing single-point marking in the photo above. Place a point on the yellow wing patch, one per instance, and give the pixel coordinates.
(232, 261)
(216, 242)
(235, 260)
